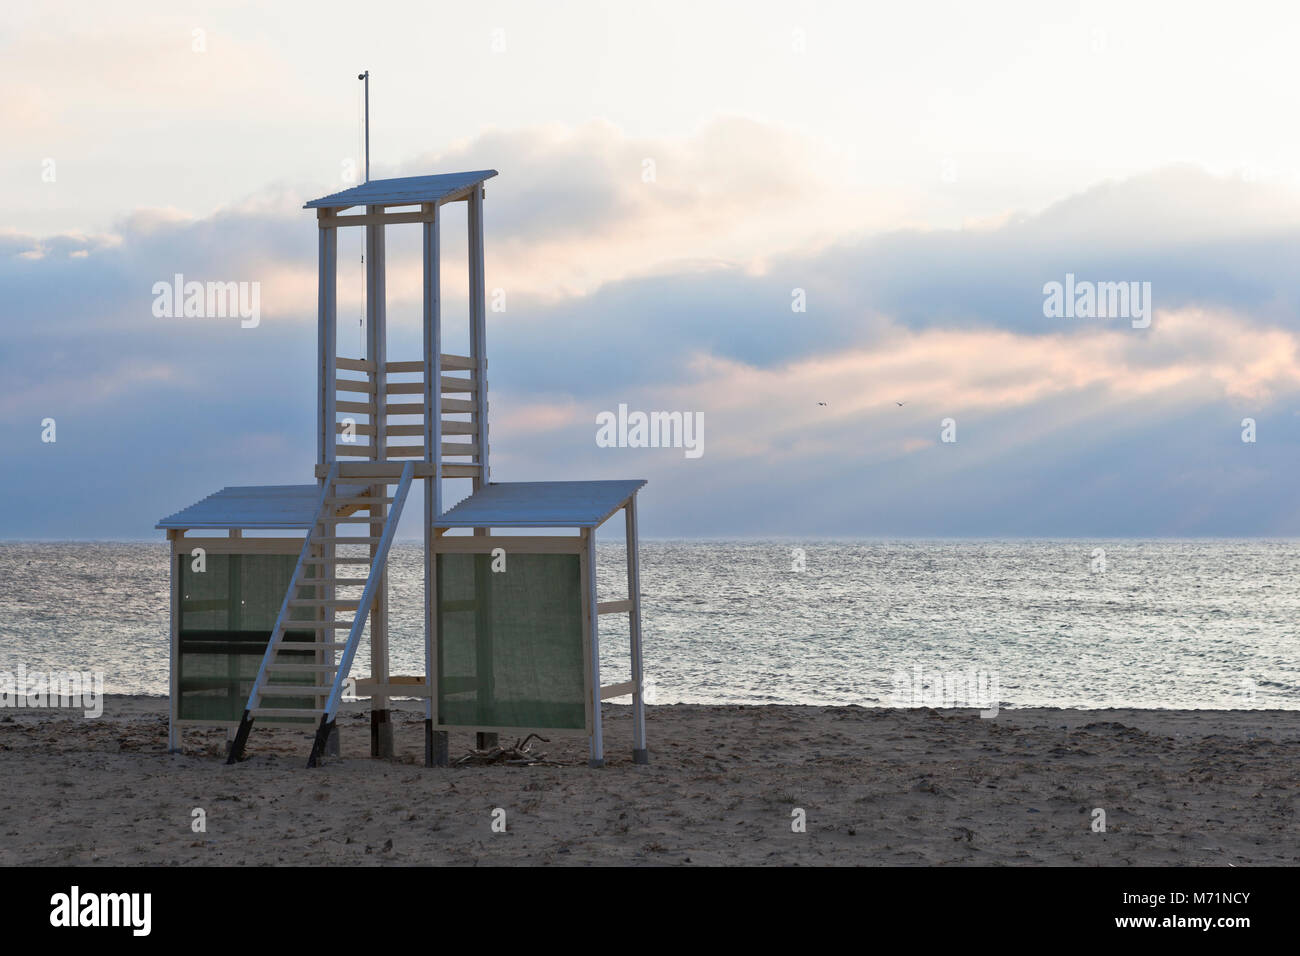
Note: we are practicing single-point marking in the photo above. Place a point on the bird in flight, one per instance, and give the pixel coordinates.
(821, 403)
(900, 404)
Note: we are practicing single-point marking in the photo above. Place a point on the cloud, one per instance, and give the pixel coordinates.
(678, 297)
(80, 391)
(1017, 387)
(205, 70)
(573, 208)
(1210, 357)
(1179, 204)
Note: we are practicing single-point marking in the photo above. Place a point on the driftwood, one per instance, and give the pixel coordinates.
(520, 754)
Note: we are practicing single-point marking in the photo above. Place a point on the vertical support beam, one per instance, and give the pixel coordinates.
(478, 330)
(235, 615)
(327, 340)
(327, 591)
(436, 749)
(318, 592)
(381, 730)
(176, 540)
(484, 670)
(376, 328)
(591, 620)
(433, 361)
(483, 647)
(639, 753)
(478, 352)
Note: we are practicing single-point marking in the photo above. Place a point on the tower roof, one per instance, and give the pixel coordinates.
(541, 504)
(406, 191)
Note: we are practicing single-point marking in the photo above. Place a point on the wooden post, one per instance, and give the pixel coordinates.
(478, 352)
(591, 620)
(478, 330)
(327, 341)
(235, 617)
(381, 730)
(639, 753)
(174, 744)
(327, 393)
(436, 749)
(483, 663)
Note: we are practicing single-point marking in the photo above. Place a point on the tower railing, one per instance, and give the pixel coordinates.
(461, 409)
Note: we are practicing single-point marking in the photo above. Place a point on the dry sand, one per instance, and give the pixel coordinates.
(877, 787)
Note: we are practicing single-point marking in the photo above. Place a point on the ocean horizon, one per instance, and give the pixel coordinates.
(979, 622)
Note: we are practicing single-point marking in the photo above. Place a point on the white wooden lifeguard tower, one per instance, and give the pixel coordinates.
(510, 621)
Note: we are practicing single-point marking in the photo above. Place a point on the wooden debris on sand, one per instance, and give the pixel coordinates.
(520, 754)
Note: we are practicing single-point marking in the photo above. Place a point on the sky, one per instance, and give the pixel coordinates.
(827, 228)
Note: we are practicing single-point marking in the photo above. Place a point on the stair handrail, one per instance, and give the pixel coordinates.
(378, 564)
(282, 619)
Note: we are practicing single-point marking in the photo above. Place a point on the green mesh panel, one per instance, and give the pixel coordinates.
(510, 642)
(227, 613)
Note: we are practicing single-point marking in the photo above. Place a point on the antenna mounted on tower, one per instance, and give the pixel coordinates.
(365, 78)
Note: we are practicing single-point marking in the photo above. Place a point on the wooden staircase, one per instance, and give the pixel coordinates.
(314, 670)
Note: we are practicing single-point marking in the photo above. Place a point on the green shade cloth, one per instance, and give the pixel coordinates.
(510, 642)
(227, 613)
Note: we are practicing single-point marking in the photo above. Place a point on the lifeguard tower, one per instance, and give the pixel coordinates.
(265, 629)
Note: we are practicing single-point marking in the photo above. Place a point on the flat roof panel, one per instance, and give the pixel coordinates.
(407, 190)
(541, 504)
(252, 506)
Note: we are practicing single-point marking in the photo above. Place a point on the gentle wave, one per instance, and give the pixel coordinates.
(1180, 624)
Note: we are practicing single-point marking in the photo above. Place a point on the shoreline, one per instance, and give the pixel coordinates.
(876, 786)
(125, 704)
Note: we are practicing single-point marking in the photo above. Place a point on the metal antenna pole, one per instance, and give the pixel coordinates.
(365, 77)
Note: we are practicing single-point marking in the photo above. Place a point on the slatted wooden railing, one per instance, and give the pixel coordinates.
(403, 400)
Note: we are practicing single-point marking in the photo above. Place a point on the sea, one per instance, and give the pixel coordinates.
(949, 623)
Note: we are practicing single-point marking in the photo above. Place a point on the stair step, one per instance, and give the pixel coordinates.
(295, 690)
(312, 670)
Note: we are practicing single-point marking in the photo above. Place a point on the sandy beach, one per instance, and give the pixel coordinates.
(918, 787)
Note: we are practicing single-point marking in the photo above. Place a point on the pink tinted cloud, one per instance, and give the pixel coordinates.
(1205, 356)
